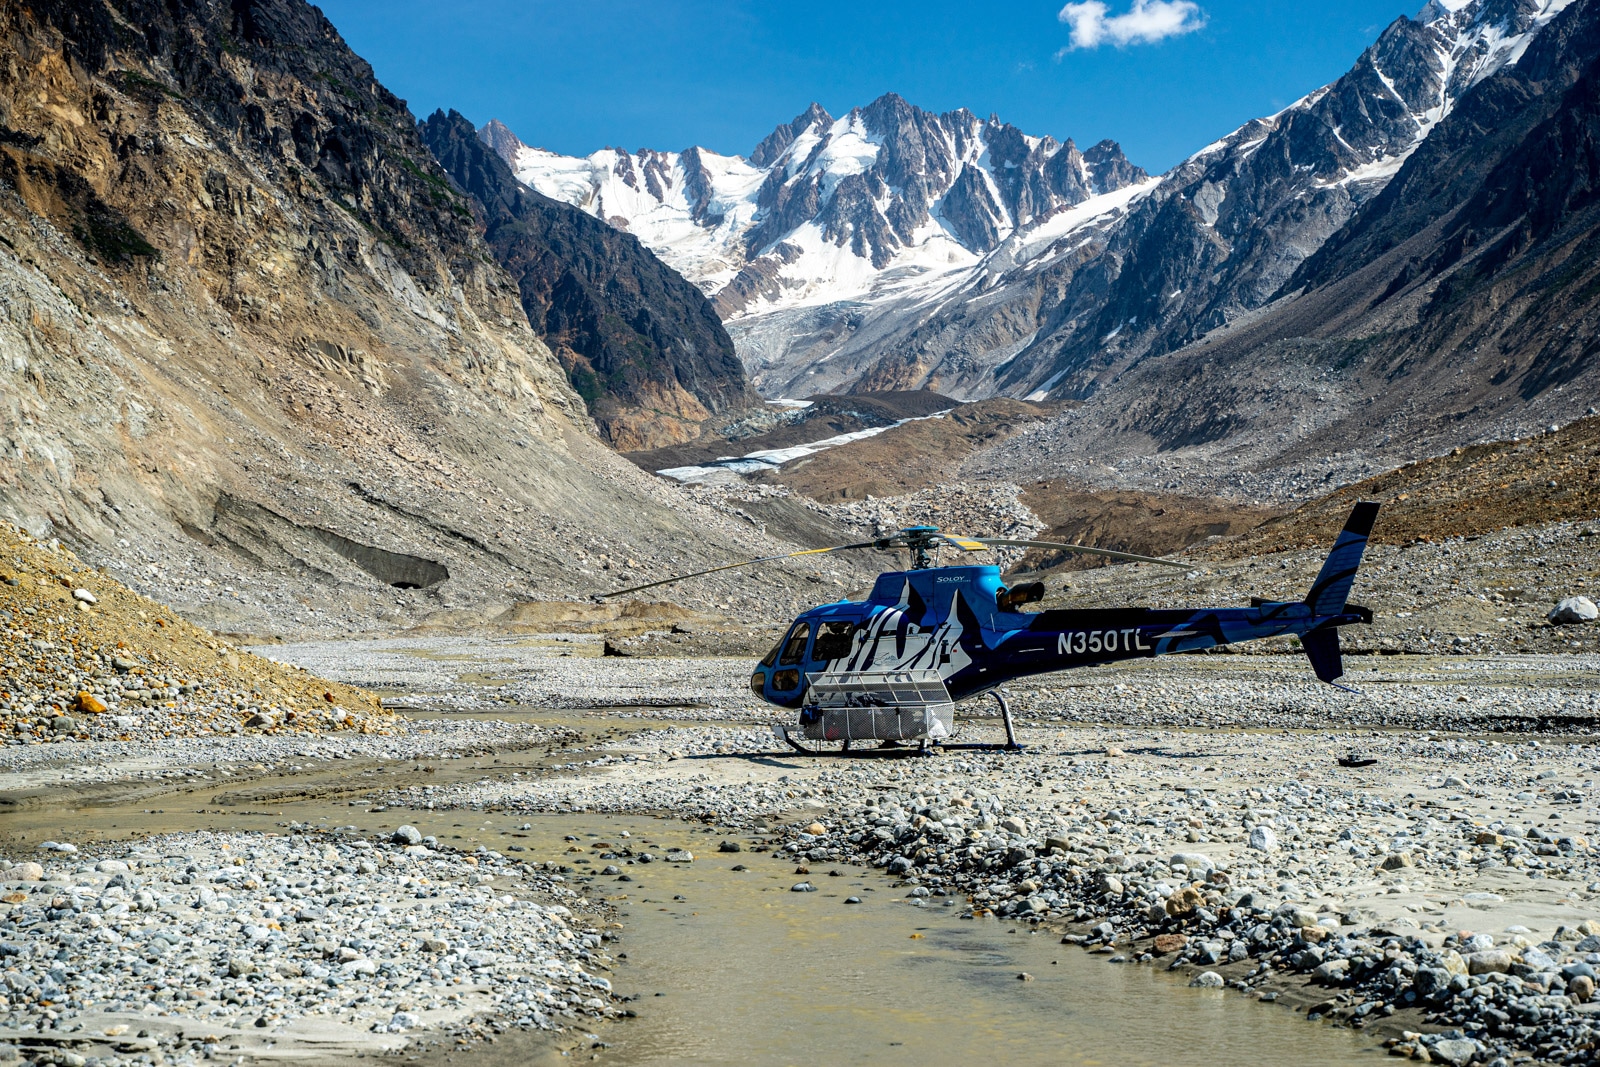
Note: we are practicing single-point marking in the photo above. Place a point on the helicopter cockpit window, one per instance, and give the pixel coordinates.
(794, 649)
(833, 640)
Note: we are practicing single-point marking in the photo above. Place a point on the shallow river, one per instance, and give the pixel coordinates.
(731, 967)
(744, 971)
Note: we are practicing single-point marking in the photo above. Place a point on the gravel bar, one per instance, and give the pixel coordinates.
(198, 946)
(1442, 888)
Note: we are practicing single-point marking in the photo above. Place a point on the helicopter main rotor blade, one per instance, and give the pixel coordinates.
(734, 566)
(1129, 556)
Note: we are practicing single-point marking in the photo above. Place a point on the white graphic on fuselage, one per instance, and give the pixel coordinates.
(890, 642)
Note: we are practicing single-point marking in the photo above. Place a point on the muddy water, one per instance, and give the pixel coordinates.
(731, 967)
(734, 968)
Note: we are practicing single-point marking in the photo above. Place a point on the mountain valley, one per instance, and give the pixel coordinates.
(380, 644)
(959, 302)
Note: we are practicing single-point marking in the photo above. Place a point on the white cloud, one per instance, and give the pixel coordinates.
(1146, 22)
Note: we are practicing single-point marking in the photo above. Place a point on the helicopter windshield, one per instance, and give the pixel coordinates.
(794, 649)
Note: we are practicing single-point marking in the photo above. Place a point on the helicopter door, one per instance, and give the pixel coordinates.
(787, 678)
(834, 641)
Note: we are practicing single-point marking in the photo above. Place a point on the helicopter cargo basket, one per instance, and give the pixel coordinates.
(878, 706)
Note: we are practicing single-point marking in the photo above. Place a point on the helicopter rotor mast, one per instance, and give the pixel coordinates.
(920, 541)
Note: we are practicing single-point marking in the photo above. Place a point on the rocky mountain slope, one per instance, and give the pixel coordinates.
(255, 356)
(1468, 492)
(640, 344)
(1225, 229)
(82, 656)
(832, 222)
(1459, 304)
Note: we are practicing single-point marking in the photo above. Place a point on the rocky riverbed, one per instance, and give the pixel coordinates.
(303, 945)
(1435, 876)
(1195, 812)
(1453, 880)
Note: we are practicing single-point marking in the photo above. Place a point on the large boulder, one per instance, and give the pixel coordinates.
(1454, 1050)
(1573, 609)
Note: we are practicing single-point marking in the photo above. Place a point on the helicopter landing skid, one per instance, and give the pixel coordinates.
(887, 748)
(1005, 716)
(1010, 744)
(782, 733)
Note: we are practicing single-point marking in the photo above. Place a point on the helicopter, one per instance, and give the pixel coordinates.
(892, 667)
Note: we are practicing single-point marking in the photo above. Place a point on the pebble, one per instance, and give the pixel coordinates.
(1262, 839)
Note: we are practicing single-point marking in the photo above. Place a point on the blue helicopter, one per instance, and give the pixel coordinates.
(891, 668)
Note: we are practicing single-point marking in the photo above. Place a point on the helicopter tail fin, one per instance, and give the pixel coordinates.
(1332, 587)
(1322, 648)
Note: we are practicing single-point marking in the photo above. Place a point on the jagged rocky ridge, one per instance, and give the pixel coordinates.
(255, 356)
(640, 344)
(831, 212)
(1220, 233)
(1226, 229)
(1459, 304)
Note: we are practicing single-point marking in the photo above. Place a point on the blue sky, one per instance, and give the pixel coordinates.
(577, 76)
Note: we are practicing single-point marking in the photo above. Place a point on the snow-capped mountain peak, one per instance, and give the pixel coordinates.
(824, 208)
